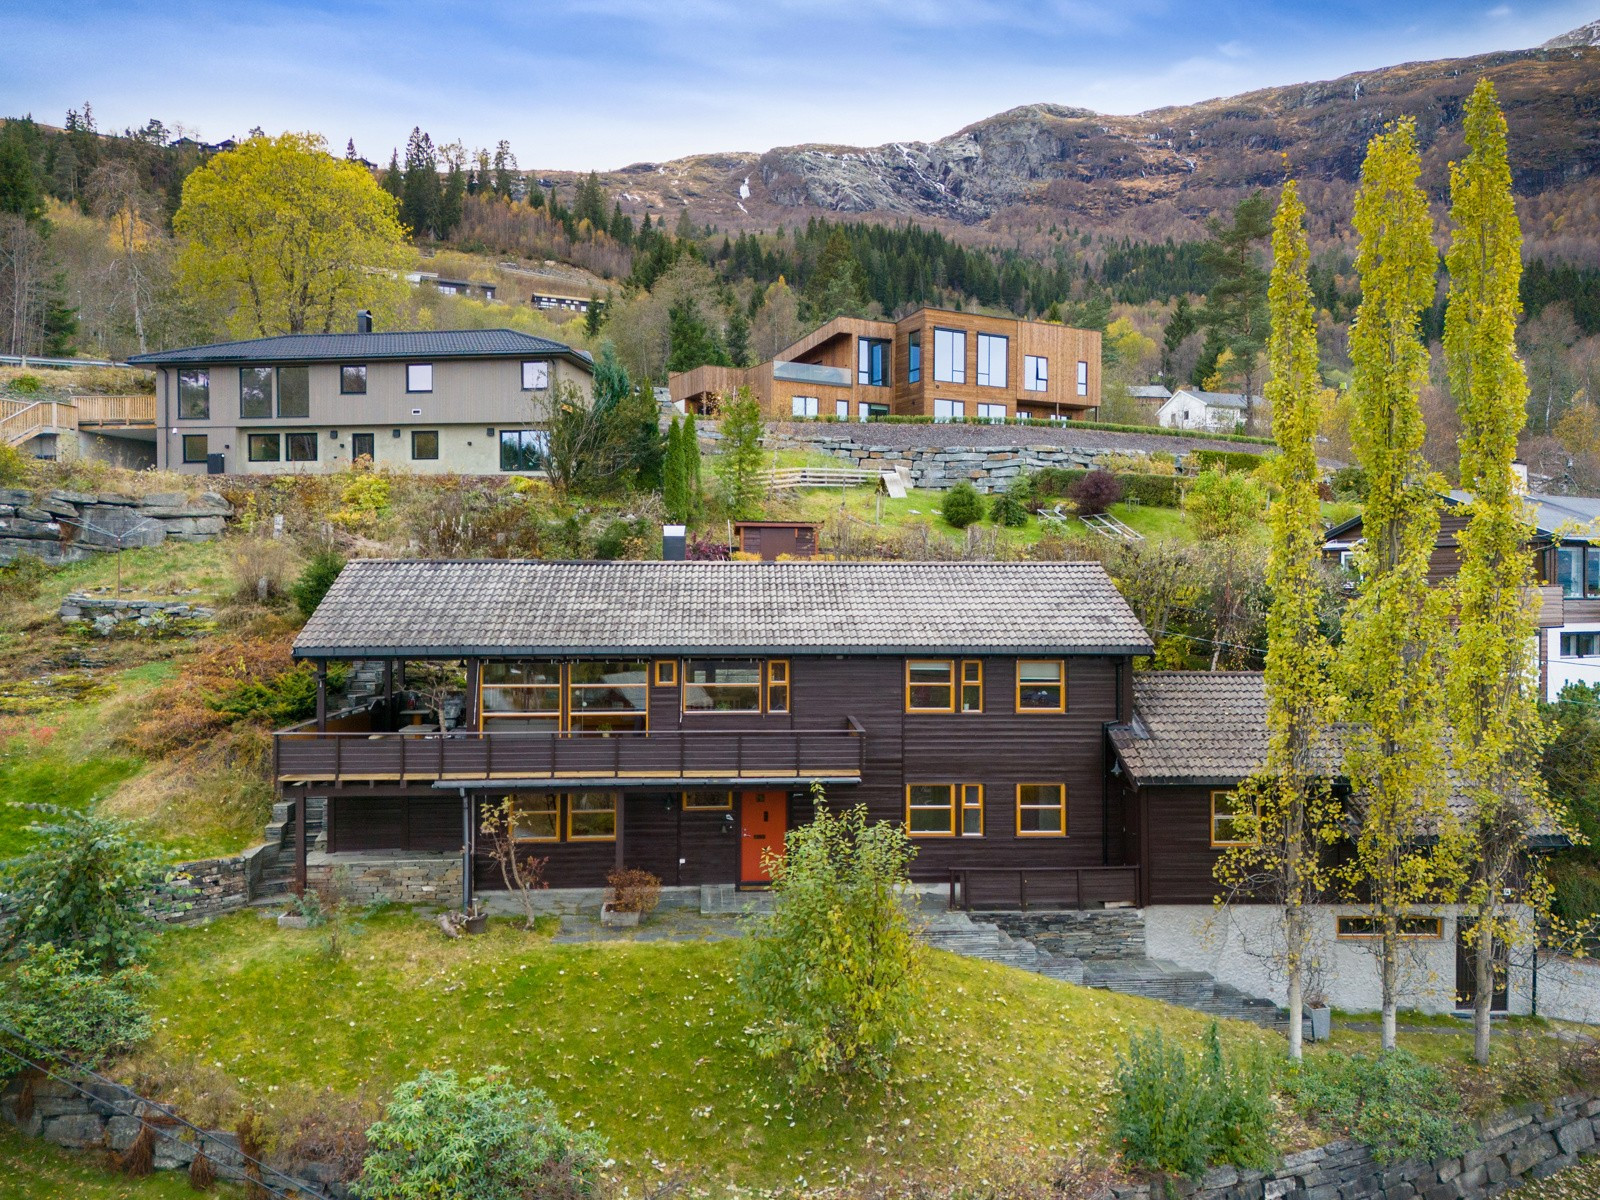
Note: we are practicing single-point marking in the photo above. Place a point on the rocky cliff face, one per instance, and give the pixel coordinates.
(1158, 168)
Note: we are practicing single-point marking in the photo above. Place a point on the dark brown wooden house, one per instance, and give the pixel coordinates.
(772, 539)
(674, 716)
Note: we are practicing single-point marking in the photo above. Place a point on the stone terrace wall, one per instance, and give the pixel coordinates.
(378, 878)
(64, 527)
(1109, 933)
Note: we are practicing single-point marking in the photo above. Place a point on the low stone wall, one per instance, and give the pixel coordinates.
(222, 885)
(384, 878)
(1530, 1142)
(107, 612)
(108, 1117)
(64, 527)
(987, 468)
(1109, 933)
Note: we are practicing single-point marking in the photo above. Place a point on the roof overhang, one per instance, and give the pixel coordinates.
(654, 784)
(746, 651)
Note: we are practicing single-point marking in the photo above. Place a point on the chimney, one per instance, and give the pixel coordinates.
(364, 321)
(674, 543)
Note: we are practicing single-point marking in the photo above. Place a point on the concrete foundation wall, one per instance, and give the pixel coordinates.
(1569, 989)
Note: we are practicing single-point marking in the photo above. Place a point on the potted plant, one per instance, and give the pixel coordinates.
(477, 919)
(1321, 1016)
(630, 896)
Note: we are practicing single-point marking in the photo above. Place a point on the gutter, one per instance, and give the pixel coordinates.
(664, 651)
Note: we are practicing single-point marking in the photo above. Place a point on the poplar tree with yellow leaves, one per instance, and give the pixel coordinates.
(1392, 656)
(1492, 678)
(1290, 817)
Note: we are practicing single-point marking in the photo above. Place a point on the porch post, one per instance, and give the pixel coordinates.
(388, 690)
(622, 807)
(468, 841)
(469, 712)
(300, 843)
(322, 695)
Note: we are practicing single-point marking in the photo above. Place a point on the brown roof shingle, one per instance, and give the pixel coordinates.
(1194, 727)
(510, 607)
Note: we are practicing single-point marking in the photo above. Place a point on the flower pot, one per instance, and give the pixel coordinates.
(293, 921)
(616, 919)
(478, 924)
(1321, 1023)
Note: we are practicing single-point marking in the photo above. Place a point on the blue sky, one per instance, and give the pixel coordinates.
(600, 83)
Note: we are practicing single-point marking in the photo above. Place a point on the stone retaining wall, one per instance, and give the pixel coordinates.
(380, 878)
(1108, 933)
(222, 885)
(64, 527)
(106, 612)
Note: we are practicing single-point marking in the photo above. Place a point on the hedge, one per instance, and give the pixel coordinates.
(1155, 491)
(1227, 460)
(1093, 426)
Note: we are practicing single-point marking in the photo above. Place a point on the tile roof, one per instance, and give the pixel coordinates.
(1215, 399)
(509, 607)
(1194, 727)
(366, 347)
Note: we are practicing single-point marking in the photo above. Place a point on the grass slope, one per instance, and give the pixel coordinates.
(644, 1042)
(34, 1170)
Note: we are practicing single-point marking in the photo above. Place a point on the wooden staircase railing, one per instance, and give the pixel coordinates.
(22, 421)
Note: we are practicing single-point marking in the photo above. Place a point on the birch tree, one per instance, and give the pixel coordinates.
(1492, 677)
(1295, 817)
(1393, 648)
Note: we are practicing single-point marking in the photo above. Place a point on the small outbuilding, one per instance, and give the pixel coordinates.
(769, 539)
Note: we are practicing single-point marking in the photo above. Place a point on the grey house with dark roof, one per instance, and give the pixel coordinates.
(469, 401)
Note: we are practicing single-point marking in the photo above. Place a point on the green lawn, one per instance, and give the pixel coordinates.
(642, 1041)
(34, 1170)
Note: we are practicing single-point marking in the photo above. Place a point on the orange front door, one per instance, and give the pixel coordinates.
(763, 818)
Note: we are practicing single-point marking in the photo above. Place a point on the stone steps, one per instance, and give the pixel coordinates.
(958, 933)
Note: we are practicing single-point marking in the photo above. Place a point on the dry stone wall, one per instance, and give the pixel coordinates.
(987, 468)
(66, 527)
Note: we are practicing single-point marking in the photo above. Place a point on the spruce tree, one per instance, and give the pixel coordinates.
(1394, 632)
(1179, 326)
(837, 286)
(505, 169)
(420, 191)
(1236, 305)
(691, 342)
(393, 181)
(1491, 682)
(695, 487)
(739, 455)
(674, 483)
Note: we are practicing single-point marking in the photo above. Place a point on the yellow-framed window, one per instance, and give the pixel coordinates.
(1041, 810)
(931, 809)
(1041, 685)
(722, 685)
(971, 685)
(608, 696)
(536, 817)
(972, 810)
(1228, 811)
(778, 685)
(930, 685)
(592, 816)
(666, 672)
(1418, 928)
(708, 801)
(520, 694)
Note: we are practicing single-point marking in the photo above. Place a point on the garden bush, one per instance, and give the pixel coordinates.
(1348, 484)
(1223, 460)
(1156, 491)
(1095, 492)
(962, 505)
(316, 579)
(280, 699)
(56, 999)
(15, 468)
(1009, 508)
(1395, 1103)
(482, 1139)
(22, 577)
(634, 890)
(832, 976)
(1179, 1113)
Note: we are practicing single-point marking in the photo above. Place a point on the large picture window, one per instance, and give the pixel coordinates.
(1035, 373)
(262, 447)
(1041, 810)
(1578, 570)
(993, 352)
(1230, 819)
(294, 392)
(930, 685)
(523, 449)
(872, 362)
(255, 392)
(608, 697)
(523, 695)
(949, 356)
(194, 395)
(592, 817)
(1041, 685)
(725, 685)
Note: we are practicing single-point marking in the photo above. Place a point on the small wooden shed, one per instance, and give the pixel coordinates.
(769, 539)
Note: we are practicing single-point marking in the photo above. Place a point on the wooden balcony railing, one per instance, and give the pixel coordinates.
(115, 410)
(1017, 889)
(306, 756)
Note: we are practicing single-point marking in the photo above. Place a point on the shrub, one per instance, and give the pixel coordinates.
(1095, 492)
(27, 385)
(442, 1139)
(633, 890)
(962, 505)
(1223, 460)
(56, 999)
(261, 568)
(363, 498)
(1156, 491)
(1349, 484)
(280, 699)
(20, 579)
(832, 975)
(1223, 505)
(316, 579)
(15, 469)
(1395, 1103)
(1008, 508)
(1179, 1113)
(1054, 481)
(87, 883)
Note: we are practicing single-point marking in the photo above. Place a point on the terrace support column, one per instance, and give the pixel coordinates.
(388, 691)
(300, 843)
(622, 807)
(469, 713)
(322, 695)
(468, 843)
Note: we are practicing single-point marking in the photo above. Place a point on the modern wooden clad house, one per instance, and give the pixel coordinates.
(932, 363)
(468, 401)
(674, 716)
(1566, 571)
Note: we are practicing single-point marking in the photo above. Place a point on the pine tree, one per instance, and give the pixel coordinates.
(350, 151)
(674, 480)
(1394, 632)
(1236, 305)
(621, 227)
(739, 455)
(1295, 816)
(837, 287)
(739, 338)
(20, 193)
(692, 343)
(595, 318)
(1179, 326)
(420, 194)
(1491, 681)
(505, 169)
(453, 198)
(611, 381)
(393, 181)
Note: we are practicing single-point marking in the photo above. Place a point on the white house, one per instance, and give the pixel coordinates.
(1192, 409)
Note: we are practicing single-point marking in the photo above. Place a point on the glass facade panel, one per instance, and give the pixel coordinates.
(872, 362)
(294, 392)
(949, 356)
(255, 392)
(993, 352)
(722, 685)
(194, 395)
(1569, 570)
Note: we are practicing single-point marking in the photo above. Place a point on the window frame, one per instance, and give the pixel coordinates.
(344, 389)
(914, 357)
(250, 440)
(985, 364)
(950, 684)
(727, 806)
(1035, 373)
(1436, 924)
(199, 377)
(771, 684)
(419, 366)
(1061, 683)
(570, 710)
(205, 441)
(956, 410)
(986, 412)
(278, 399)
(536, 386)
(540, 438)
(415, 434)
(665, 672)
(555, 811)
(951, 808)
(956, 340)
(304, 438)
(759, 685)
(547, 721)
(1083, 377)
(1060, 807)
(1232, 816)
(841, 410)
(964, 683)
(868, 349)
(964, 806)
(569, 798)
(266, 403)
(808, 408)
